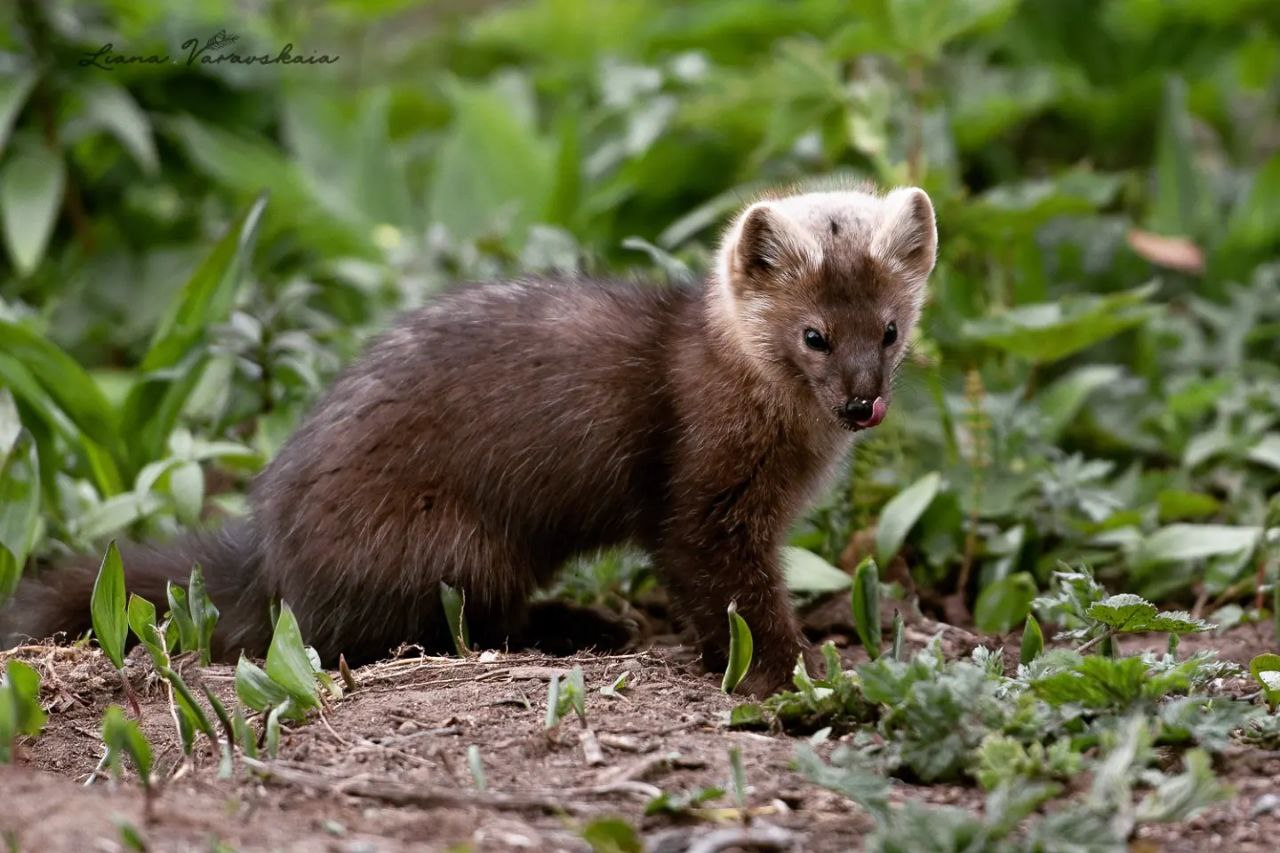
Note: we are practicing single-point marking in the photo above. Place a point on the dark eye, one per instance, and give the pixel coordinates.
(813, 339)
(890, 334)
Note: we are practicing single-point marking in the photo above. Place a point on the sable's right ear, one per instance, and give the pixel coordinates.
(766, 245)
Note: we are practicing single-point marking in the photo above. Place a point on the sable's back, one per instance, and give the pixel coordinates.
(539, 394)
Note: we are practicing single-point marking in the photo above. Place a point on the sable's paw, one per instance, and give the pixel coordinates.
(561, 628)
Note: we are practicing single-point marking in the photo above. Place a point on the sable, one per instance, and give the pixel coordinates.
(487, 438)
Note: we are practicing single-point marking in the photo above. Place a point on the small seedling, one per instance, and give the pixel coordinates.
(20, 711)
(612, 835)
(738, 778)
(110, 618)
(614, 690)
(476, 765)
(899, 632)
(865, 600)
(454, 602)
(1032, 640)
(741, 648)
(566, 694)
(124, 739)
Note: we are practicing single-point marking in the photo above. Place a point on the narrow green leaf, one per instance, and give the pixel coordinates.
(553, 703)
(30, 195)
(901, 514)
(865, 601)
(899, 639)
(20, 711)
(1032, 640)
(204, 615)
(738, 776)
(454, 602)
(740, 650)
(188, 705)
(273, 731)
(107, 607)
(1178, 542)
(476, 765)
(14, 88)
(180, 614)
(244, 735)
(287, 662)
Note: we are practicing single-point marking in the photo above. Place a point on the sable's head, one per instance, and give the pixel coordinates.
(822, 290)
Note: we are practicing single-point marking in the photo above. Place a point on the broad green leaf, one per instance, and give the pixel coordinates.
(901, 514)
(31, 185)
(1121, 611)
(20, 711)
(1060, 402)
(1196, 541)
(1265, 669)
(287, 662)
(454, 603)
(1005, 603)
(112, 108)
(1267, 451)
(142, 621)
(865, 602)
(123, 738)
(806, 572)
(14, 88)
(19, 501)
(1050, 331)
(1032, 640)
(492, 169)
(10, 574)
(1178, 505)
(64, 381)
(257, 689)
(612, 835)
(186, 485)
(740, 650)
(749, 715)
(107, 607)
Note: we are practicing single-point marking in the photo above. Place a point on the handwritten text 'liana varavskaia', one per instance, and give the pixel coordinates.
(212, 52)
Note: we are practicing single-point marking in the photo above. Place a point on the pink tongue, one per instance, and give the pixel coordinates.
(878, 409)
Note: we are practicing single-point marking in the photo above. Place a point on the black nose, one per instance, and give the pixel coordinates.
(858, 409)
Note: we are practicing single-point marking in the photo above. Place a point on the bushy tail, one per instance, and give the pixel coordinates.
(57, 600)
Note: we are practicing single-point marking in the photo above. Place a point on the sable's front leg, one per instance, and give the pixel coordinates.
(702, 583)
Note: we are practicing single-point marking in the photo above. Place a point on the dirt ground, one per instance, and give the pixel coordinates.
(386, 767)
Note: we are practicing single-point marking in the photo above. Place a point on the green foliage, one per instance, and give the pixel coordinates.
(901, 514)
(1005, 603)
(20, 711)
(865, 601)
(565, 695)
(1265, 669)
(124, 739)
(741, 648)
(1032, 641)
(454, 602)
(107, 606)
(611, 835)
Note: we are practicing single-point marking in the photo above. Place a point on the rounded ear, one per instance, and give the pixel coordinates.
(768, 245)
(908, 234)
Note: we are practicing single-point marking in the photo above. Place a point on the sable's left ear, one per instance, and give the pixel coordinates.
(907, 236)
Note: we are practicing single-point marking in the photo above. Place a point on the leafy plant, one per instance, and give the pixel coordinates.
(865, 599)
(20, 711)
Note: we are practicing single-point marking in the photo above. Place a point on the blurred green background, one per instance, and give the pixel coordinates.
(1097, 380)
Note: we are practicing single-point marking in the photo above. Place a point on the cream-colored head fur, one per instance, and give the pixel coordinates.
(782, 241)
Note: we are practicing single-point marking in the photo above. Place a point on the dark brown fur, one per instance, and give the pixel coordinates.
(489, 437)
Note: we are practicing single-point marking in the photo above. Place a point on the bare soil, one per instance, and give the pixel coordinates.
(385, 768)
